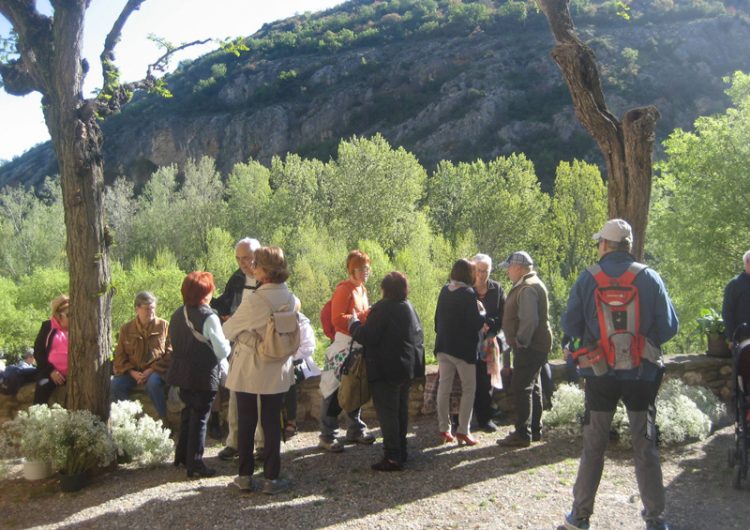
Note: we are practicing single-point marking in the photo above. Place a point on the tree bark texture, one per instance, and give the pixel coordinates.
(626, 146)
(51, 63)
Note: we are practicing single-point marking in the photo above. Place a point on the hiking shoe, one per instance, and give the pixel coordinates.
(655, 524)
(364, 438)
(228, 453)
(575, 524)
(243, 482)
(332, 446)
(387, 465)
(276, 486)
(514, 440)
(536, 436)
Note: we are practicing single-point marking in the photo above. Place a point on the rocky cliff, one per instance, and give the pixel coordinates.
(476, 91)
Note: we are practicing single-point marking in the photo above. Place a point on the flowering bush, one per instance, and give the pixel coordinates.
(684, 413)
(34, 433)
(138, 435)
(83, 443)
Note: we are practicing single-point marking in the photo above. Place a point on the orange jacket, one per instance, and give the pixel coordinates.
(345, 298)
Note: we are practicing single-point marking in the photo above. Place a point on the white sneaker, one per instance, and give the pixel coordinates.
(332, 446)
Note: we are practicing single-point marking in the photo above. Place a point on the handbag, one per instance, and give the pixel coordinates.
(355, 389)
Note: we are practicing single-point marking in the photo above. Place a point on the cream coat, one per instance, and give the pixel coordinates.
(248, 371)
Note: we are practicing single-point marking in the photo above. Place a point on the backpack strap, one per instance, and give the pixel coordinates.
(198, 336)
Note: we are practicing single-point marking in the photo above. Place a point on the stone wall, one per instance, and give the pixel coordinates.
(693, 369)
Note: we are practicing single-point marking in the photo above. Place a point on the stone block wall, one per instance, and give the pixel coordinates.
(693, 369)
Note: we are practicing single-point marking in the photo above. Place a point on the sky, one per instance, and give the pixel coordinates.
(178, 21)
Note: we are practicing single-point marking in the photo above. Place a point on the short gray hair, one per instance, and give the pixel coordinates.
(144, 298)
(746, 257)
(483, 258)
(254, 244)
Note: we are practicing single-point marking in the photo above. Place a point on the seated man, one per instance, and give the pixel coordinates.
(143, 354)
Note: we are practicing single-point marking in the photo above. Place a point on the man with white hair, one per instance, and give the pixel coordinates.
(736, 307)
(622, 313)
(240, 284)
(528, 332)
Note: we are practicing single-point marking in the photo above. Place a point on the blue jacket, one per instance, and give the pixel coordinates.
(657, 315)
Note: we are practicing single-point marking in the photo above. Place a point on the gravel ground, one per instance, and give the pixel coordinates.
(443, 487)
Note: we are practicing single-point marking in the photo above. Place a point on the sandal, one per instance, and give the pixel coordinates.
(290, 429)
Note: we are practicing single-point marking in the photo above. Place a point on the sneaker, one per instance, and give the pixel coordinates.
(243, 482)
(654, 524)
(332, 446)
(364, 438)
(575, 524)
(488, 426)
(514, 440)
(228, 453)
(274, 487)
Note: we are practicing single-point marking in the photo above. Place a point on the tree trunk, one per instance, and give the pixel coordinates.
(77, 140)
(626, 146)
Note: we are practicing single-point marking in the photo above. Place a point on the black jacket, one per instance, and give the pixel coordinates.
(229, 301)
(42, 345)
(457, 323)
(494, 303)
(194, 364)
(736, 308)
(394, 341)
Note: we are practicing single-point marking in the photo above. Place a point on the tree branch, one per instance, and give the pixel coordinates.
(23, 75)
(161, 64)
(109, 70)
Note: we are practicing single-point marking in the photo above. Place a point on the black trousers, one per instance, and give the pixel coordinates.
(42, 392)
(247, 421)
(527, 391)
(391, 402)
(482, 396)
(193, 420)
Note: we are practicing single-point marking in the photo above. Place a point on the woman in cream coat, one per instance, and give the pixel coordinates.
(251, 375)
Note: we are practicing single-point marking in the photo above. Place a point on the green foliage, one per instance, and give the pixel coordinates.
(710, 322)
(701, 208)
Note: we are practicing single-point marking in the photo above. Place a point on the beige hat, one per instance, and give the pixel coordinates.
(615, 230)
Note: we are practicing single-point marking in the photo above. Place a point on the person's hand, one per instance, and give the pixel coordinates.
(57, 377)
(136, 375)
(145, 375)
(485, 328)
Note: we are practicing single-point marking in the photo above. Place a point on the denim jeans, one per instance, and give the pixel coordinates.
(330, 424)
(155, 388)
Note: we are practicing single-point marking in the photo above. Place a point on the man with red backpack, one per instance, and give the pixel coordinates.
(622, 313)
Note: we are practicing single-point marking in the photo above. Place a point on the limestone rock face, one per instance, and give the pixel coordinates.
(459, 98)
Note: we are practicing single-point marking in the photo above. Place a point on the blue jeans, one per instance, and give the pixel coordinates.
(155, 388)
(355, 427)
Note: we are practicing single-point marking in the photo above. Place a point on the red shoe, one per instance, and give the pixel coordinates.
(466, 439)
(447, 437)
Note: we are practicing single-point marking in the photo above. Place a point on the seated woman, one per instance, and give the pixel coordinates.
(394, 354)
(51, 351)
(143, 354)
(199, 351)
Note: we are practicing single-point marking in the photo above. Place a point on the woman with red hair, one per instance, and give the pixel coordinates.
(199, 352)
(350, 297)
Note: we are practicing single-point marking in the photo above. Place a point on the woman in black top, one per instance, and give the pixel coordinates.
(394, 354)
(459, 317)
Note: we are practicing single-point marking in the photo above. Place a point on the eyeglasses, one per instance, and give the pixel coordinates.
(246, 259)
(363, 269)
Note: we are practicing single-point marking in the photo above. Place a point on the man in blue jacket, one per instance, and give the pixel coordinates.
(736, 308)
(637, 386)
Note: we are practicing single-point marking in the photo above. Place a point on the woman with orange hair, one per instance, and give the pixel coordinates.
(350, 297)
(199, 352)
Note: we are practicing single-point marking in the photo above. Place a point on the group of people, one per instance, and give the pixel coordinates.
(618, 354)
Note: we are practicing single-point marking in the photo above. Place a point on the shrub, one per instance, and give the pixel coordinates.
(138, 436)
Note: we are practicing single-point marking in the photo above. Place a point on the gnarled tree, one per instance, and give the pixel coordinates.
(626, 145)
(49, 61)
